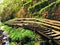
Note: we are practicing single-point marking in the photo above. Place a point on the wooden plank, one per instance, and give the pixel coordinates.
(55, 27)
(58, 32)
(50, 22)
(54, 21)
(56, 37)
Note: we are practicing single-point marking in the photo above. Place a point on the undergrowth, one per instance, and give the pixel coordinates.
(18, 35)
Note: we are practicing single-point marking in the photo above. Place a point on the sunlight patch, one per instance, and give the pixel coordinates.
(1, 1)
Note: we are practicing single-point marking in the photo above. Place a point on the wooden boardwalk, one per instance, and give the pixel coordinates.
(48, 28)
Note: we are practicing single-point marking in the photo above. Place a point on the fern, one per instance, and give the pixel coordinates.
(28, 0)
(26, 3)
(39, 4)
(45, 8)
(18, 33)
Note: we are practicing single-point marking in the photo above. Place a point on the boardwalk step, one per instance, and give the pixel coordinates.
(50, 33)
(46, 31)
(54, 35)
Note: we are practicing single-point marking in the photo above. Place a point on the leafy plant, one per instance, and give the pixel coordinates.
(45, 8)
(37, 5)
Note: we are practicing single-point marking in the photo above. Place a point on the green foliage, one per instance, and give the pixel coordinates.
(57, 1)
(12, 43)
(27, 3)
(38, 5)
(46, 8)
(50, 7)
(28, 0)
(1, 24)
(10, 8)
(19, 33)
